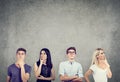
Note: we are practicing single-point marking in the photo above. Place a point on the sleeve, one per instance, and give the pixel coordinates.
(80, 71)
(92, 67)
(61, 69)
(9, 72)
(28, 70)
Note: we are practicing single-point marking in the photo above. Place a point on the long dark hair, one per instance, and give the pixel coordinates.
(49, 61)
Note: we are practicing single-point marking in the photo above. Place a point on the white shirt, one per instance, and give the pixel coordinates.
(99, 74)
(70, 69)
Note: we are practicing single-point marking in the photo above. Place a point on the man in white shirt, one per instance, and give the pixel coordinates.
(70, 71)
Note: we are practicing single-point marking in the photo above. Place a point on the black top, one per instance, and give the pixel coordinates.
(45, 72)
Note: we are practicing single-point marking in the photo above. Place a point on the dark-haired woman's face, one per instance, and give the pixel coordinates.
(43, 55)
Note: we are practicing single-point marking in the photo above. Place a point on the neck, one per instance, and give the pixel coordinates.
(101, 62)
(20, 61)
(71, 60)
(44, 62)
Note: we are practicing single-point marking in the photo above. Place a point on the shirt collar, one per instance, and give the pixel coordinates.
(71, 62)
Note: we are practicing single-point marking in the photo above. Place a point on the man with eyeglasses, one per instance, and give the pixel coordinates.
(70, 70)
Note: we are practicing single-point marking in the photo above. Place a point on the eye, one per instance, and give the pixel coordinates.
(44, 53)
(102, 53)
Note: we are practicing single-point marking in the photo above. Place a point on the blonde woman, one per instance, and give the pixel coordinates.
(99, 67)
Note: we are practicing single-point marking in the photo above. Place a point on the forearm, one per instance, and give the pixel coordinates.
(45, 78)
(37, 73)
(48, 78)
(8, 79)
(109, 73)
(78, 79)
(87, 74)
(23, 74)
(86, 78)
(66, 78)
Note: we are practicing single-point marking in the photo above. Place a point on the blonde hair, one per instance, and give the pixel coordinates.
(95, 54)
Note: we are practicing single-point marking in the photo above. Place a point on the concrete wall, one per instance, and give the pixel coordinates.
(57, 25)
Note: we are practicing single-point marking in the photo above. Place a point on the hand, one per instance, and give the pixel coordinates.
(41, 61)
(77, 80)
(21, 64)
(106, 63)
(41, 77)
(65, 75)
(75, 77)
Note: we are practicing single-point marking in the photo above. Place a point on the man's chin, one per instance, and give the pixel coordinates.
(71, 58)
(20, 60)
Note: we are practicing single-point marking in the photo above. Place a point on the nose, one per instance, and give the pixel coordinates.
(20, 55)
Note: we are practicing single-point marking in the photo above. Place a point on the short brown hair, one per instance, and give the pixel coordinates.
(71, 48)
(21, 49)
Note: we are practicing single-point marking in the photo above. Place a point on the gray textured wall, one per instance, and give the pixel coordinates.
(57, 25)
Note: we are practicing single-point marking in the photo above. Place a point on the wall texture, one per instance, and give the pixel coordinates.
(57, 25)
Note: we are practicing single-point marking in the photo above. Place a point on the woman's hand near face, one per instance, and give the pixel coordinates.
(41, 61)
(107, 64)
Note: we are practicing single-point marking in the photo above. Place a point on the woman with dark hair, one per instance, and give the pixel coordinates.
(43, 68)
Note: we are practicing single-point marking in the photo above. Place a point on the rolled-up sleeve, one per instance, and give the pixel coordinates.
(61, 69)
(28, 69)
(80, 72)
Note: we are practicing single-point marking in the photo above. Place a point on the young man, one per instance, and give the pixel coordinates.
(70, 71)
(19, 71)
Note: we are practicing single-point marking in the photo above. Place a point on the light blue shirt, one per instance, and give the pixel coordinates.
(70, 69)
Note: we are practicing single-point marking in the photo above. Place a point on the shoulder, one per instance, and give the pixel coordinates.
(35, 63)
(92, 67)
(11, 66)
(64, 62)
(77, 63)
(27, 66)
